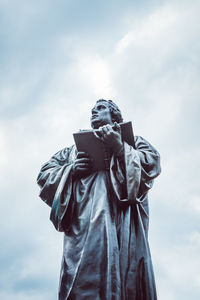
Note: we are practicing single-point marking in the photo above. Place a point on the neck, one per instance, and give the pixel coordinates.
(97, 124)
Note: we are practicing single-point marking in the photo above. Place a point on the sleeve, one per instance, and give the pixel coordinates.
(150, 164)
(55, 181)
(141, 166)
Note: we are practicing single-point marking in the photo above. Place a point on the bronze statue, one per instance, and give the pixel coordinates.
(104, 214)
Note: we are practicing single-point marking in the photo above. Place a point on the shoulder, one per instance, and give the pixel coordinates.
(63, 154)
(143, 144)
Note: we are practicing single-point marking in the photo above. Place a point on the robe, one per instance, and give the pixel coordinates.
(105, 219)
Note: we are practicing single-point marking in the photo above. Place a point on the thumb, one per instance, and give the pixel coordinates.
(117, 127)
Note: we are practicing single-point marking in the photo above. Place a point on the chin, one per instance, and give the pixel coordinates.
(95, 124)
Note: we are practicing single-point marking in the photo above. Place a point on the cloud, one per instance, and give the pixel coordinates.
(96, 72)
(150, 30)
(178, 262)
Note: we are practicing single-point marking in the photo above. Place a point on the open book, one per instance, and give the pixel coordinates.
(87, 142)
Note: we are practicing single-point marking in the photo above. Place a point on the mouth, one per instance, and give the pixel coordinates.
(94, 117)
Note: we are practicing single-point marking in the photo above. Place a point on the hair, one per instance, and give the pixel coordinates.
(114, 111)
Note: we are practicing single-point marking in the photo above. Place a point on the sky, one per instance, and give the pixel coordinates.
(56, 59)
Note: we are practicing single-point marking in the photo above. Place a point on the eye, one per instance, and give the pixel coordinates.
(101, 107)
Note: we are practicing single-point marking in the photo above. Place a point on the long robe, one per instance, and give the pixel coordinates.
(104, 217)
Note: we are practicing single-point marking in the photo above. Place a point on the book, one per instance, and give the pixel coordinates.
(86, 141)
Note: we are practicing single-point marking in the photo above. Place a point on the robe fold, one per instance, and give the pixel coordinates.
(104, 217)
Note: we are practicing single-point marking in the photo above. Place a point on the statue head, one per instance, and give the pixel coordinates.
(105, 112)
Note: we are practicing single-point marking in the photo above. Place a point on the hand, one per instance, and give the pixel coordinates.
(111, 136)
(82, 165)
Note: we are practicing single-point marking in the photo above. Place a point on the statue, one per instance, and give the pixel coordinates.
(104, 214)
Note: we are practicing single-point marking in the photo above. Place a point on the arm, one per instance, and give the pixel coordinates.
(112, 137)
(50, 175)
(150, 164)
(55, 181)
(142, 165)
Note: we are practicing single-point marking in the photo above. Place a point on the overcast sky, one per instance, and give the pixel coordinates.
(56, 59)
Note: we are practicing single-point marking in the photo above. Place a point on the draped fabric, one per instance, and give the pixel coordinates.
(104, 217)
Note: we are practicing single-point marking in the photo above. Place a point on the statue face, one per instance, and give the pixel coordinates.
(101, 115)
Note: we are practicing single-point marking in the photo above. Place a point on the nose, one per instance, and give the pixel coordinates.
(94, 111)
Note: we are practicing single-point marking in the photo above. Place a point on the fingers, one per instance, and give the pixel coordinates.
(108, 133)
(82, 155)
(80, 170)
(83, 163)
(97, 135)
(117, 126)
(82, 167)
(83, 160)
(105, 131)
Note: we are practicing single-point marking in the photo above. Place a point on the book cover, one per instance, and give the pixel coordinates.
(87, 142)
